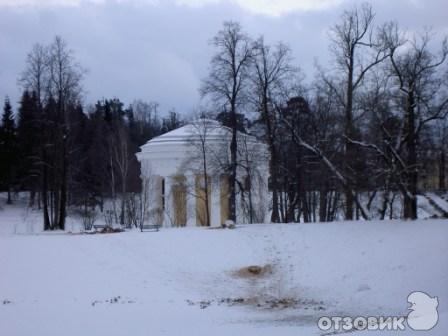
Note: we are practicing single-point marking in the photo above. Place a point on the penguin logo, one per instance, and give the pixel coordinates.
(423, 315)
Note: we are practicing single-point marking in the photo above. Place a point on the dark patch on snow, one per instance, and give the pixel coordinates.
(267, 303)
(254, 271)
(113, 300)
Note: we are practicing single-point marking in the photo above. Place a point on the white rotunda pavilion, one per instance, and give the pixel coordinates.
(177, 166)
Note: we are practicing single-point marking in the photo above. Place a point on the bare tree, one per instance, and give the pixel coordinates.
(317, 151)
(251, 158)
(55, 77)
(422, 96)
(111, 171)
(441, 134)
(65, 77)
(325, 129)
(35, 76)
(357, 50)
(138, 204)
(145, 114)
(34, 79)
(271, 77)
(198, 161)
(121, 156)
(226, 85)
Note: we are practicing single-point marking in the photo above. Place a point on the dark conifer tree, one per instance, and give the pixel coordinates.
(28, 144)
(225, 119)
(8, 148)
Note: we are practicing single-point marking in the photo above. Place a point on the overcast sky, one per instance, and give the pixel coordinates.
(158, 50)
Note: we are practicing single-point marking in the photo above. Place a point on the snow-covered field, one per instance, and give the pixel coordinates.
(185, 281)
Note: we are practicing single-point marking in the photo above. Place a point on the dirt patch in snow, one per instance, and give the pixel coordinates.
(262, 303)
(254, 271)
(104, 230)
(113, 300)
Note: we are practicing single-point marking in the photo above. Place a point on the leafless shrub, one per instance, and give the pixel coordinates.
(89, 217)
(109, 218)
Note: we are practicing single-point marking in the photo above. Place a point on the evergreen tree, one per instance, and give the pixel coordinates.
(28, 144)
(8, 148)
(225, 119)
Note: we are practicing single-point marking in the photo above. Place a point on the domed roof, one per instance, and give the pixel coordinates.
(166, 154)
(211, 129)
(177, 143)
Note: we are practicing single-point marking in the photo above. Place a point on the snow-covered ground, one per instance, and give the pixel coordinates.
(185, 281)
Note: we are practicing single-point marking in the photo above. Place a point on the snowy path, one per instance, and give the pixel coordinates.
(61, 284)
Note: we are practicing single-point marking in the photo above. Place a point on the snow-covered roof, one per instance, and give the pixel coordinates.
(167, 152)
(183, 135)
(211, 129)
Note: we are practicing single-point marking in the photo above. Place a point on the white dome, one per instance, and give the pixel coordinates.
(213, 130)
(180, 138)
(167, 152)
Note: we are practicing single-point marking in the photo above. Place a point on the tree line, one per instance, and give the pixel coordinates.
(370, 126)
(66, 155)
(361, 136)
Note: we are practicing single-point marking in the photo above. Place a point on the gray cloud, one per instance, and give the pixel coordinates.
(160, 51)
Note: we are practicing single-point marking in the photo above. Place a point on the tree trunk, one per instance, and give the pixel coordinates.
(442, 185)
(323, 200)
(410, 201)
(384, 204)
(275, 216)
(123, 202)
(45, 193)
(349, 200)
(63, 196)
(32, 197)
(206, 190)
(9, 201)
(233, 166)
(233, 157)
(251, 206)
